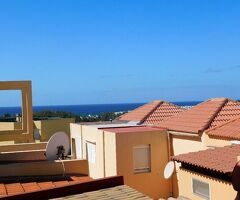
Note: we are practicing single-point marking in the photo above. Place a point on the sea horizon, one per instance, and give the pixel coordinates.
(88, 109)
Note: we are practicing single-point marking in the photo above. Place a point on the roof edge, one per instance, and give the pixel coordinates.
(221, 125)
(213, 116)
(153, 109)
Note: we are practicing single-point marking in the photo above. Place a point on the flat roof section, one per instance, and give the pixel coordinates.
(121, 192)
(112, 125)
(134, 129)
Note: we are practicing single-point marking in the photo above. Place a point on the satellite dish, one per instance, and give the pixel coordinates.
(169, 169)
(58, 146)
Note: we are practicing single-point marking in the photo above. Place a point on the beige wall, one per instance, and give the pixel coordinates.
(110, 154)
(93, 135)
(48, 127)
(151, 183)
(44, 168)
(23, 152)
(22, 147)
(4, 126)
(219, 190)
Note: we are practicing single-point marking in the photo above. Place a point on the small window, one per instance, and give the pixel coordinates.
(201, 189)
(91, 152)
(141, 159)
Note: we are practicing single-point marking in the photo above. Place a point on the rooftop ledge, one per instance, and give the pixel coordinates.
(44, 168)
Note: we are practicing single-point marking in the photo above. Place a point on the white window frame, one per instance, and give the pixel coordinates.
(145, 169)
(203, 196)
(92, 157)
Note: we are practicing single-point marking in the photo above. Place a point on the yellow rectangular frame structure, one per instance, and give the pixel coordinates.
(26, 133)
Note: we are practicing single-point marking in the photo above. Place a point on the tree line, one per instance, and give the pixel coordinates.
(41, 115)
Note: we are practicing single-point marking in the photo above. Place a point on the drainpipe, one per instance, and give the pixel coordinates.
(82, 142)
(104, 165)
(169, 138)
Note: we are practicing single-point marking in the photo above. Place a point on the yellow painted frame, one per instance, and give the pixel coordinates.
(26, 133)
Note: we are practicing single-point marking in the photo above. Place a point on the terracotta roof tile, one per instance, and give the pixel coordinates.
(3, 191)
(220, 159)
(152, 113)
(140, 113)
(230, 129)
(229, 111)
(203, 116)
(28, 187)
(14, 188)
(46, 185)
(162, 112)
(22, 187)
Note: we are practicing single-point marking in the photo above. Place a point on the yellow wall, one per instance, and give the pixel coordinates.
(219, 190)
(49, 127)
(186, 145)
(215, 142)
(151, 183)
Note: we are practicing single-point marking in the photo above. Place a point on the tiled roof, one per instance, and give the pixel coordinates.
(220, 159)
(12, 188)
(228, 112)
(119, 192)
(164, 111)
(133, 129)
(230, 129)
(203, 116)
(152, 113)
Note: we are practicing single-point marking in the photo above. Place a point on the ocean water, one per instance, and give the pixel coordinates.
(93, 109)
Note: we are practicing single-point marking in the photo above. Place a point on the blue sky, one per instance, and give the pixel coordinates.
(84, 52)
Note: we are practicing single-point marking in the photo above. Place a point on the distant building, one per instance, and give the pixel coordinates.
(44, 129)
